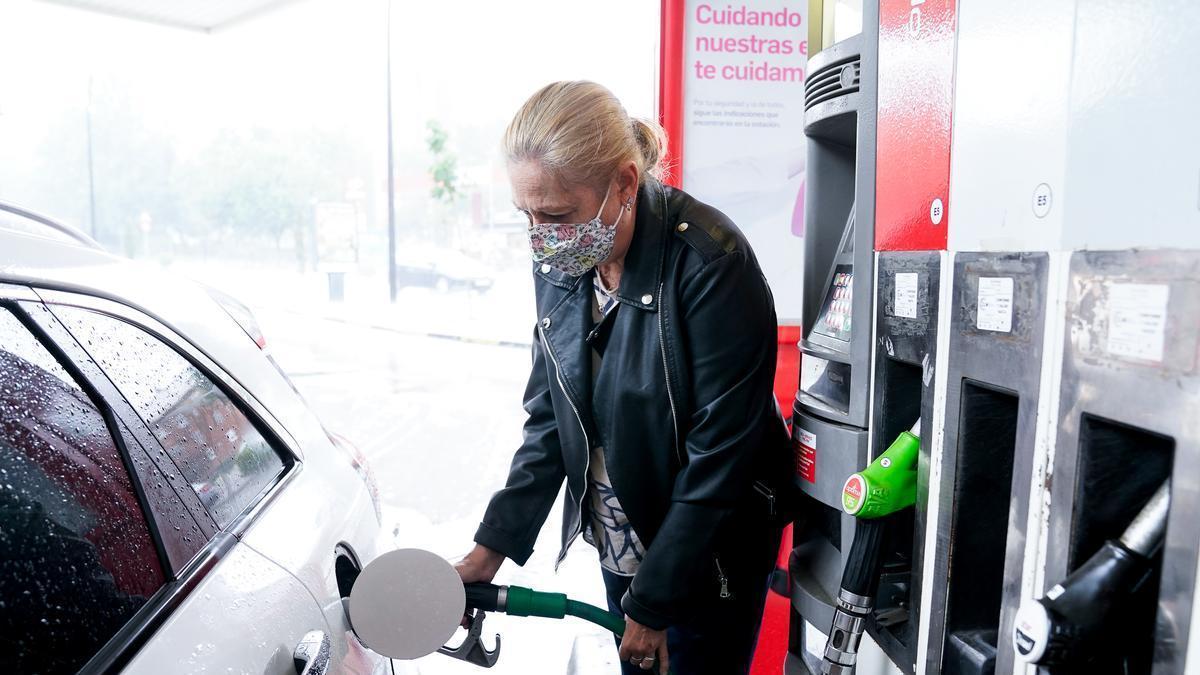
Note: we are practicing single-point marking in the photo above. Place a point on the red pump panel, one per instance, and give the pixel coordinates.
(916, 97)
(670, 87)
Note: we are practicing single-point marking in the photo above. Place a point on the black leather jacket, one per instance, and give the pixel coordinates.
(692, 434)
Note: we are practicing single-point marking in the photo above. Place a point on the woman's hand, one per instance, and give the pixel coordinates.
(645, 647)
(480, 565)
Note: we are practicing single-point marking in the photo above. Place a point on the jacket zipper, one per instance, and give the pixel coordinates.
(769, 494)
(725, 594)
(662, 344)
(586, 442)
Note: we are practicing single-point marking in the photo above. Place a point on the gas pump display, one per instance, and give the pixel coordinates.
(836, 320)
(827, 363)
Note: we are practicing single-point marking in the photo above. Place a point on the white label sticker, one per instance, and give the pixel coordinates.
(906, 295)
(814, 640)
(1137, 320)
(808, 438)
(995, 304)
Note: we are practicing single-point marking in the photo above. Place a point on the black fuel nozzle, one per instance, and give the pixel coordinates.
(873, 495)
(856, 597)
(1067, 624)
(488, 597)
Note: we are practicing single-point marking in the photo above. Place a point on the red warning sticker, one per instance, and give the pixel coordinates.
(806, 455)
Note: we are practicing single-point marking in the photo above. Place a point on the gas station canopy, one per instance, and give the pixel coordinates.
(201, 15)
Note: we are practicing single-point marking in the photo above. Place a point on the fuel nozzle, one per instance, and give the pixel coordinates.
(1064, 626)
(888, 485)
(408, 603)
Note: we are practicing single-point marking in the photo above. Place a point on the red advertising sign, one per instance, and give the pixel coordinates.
(916, 97)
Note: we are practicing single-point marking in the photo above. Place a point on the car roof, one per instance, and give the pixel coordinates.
(28, 220)
(182, 305)
(31, 259)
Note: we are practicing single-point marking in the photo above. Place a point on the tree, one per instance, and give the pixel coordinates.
(246, 190)
(444, 170)
(134, 171)
(264, 185)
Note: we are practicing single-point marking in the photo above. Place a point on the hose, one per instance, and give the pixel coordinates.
(520, 601)
(600, 617)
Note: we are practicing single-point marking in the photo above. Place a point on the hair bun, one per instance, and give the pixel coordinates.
(652, 142)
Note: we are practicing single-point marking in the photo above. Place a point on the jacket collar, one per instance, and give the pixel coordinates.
(642, 276)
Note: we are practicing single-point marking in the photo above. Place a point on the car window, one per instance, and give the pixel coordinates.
(219, 451)
(76, 555)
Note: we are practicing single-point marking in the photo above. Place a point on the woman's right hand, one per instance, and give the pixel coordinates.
(480, 565)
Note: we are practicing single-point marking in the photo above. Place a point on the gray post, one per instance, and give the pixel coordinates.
(391, 187)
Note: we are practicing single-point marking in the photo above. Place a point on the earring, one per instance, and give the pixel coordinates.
(629, 204)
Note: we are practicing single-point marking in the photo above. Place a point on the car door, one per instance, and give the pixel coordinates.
(80, 563)
(202, 466)
(319, 525)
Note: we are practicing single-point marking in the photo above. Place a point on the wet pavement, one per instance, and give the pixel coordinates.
(438, 419)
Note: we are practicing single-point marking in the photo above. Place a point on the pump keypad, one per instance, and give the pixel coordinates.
(835, 320)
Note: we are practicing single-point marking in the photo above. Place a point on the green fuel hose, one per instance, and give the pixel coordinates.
(521, 601)
(597, 616)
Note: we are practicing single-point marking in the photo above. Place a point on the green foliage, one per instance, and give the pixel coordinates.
(265, 185)
(444, 170)
(251, 184)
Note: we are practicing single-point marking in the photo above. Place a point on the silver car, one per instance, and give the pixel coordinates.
(168, 503)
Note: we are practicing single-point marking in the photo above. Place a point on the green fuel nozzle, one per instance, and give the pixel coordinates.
(521, 601)
(406, 603)
(889, 484)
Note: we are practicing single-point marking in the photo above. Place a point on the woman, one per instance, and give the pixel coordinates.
(651, 390)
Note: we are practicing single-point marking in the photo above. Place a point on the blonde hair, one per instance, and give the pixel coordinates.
(581, 132)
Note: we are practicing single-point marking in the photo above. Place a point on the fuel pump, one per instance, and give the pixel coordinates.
(885, 487)
(1063, 627)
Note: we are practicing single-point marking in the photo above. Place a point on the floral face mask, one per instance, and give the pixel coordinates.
(574, 249)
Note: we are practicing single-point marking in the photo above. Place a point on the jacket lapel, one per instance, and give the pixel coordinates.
(565, 329)
(567, 325)
(642, 276)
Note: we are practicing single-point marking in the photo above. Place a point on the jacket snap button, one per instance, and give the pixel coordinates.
(682, 227)
(647, 299)
(545, 268)
(546, 322)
